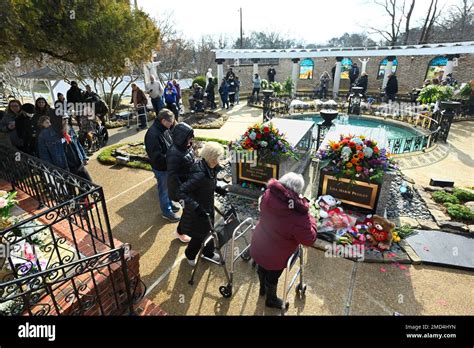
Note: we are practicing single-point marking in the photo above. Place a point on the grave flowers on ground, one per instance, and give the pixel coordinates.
(356, 158)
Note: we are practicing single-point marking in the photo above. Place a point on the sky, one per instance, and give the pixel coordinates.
(314, 21)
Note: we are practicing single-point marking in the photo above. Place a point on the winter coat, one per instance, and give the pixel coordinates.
(198, 193)
(179, 159)
(52, 148)
(354, 73)
(281, 229)
(271, 75)
(324, 80)
(140, 98)
(224, 90)
(362, 82)
(392, 86)
(171, 95)
(74, 95)
(157, 142)
(9, 136)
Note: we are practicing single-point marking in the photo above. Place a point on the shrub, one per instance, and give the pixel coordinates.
(459, 212)
(444, 197)
(463, 195)
(200, 80)
(288, 86)
(277, 87)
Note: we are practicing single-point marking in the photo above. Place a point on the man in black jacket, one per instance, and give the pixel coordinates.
(179, 160)
(391, 89)
(157, 142)
(353, 74)
(75, 96)
(271, 74)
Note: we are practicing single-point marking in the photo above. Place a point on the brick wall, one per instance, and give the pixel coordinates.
(411, 72)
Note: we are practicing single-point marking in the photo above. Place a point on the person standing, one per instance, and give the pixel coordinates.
(230, 74)
(237, 90)
(271, 74)
(139, 101)
(155, 91)
(257, 83)
(8, 126)
(353, 74)
(209, 75)
(285, 223)
(211, 94)
(178, 95)
(171, 97)
(391, 89)
(198, 196)
(363, 82)
(324, 85)
(179, 160)
(157, 142)
(232, 90)
(224, 93)
(75, 96)
(90, 96)
(27, 128)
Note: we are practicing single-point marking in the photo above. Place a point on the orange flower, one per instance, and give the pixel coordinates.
(355, 161)
(335, 146)
(359, 168)
(361, 155)
(376, 149)
(349, 165)
(358, 147)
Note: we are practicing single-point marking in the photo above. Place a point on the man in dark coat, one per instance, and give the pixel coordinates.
(75, 96)
(353, 73)
(198, 196)
(284, 224)
(363, 81)
(179, 160)
(271, 74)
(391, 89)
(157, 142)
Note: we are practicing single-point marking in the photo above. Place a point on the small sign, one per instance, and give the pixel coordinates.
(259, 173)
(358, 194)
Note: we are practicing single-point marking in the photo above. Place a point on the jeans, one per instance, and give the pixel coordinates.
(158, 104)
(237, 97)
(165, 202)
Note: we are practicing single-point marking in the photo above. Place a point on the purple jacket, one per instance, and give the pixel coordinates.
(284, 224)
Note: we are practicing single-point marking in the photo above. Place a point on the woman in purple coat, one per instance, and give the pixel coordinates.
(284, 224)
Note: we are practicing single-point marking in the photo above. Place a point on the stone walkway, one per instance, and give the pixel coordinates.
(335, 286)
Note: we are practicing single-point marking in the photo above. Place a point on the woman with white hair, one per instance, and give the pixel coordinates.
(284, 224)
(197, 192)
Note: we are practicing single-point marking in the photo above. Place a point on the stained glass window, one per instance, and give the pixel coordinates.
(383, 65)
(306, 69)
(436, 65)
(345, 67)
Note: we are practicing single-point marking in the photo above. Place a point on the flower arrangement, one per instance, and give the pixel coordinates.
(270, 143)
(356, 157)
(7, 201)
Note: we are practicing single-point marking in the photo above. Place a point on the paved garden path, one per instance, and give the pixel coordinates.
(335, 286)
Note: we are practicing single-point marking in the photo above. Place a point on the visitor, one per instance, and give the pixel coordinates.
(209, 76)
(271, 73)
(8, 133)
(139, 101)
(363, 82)
(324, 85)
(211, 94)
(391, 89)
(198, 196)
(178, 95)
(27, 128)
(232, 90)
(196, 103)
(353, 74)
(75, 96)
(90, 96)
(285, 223)
(60, 111)
(224, 93)
(157, 142)
(155, 91)
(257, 82)
(179, 160)
(63, 151)
(237, 90)
(230, 74)
(171, 97)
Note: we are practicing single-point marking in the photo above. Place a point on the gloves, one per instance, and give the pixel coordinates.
(201, 212)
(221, 191)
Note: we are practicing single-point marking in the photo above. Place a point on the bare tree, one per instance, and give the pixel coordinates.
(397, 15)
(407, 22)
(431, 16)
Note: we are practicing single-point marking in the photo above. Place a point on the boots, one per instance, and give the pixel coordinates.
(272, 300)
(261, 278)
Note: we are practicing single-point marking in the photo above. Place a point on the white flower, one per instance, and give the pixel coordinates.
(263, 144)
(253, 136)
(3, 202)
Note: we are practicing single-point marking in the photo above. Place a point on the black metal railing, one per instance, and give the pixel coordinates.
(72, 225)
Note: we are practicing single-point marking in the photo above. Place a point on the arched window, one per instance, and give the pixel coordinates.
(345, 67)
(383, 65)
(435, 66)
(306, 69)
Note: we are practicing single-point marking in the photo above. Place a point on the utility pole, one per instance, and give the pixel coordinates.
(241, 31)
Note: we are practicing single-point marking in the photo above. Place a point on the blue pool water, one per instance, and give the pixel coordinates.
(394, 132)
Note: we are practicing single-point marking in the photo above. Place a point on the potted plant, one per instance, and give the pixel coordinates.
(288, 86)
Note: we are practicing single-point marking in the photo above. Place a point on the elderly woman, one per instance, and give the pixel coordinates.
(198, 196)
(284, 224)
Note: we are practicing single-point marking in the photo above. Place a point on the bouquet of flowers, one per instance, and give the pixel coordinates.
(7, 201)
(356, 157)
(267, 140)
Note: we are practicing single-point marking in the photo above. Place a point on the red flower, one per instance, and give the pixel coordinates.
(352, 144)
(359, 168)
(259, 136)
(266, 129)
(376, 149)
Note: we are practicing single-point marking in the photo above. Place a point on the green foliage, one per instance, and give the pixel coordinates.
(200, 80)
(444, 197)
(220, 141)
(433, 93)
(277, 87)
(264, 84)
(288, 86)
(464, 93)
(105, 157)
(459, 212)
(404, 231)
(116, 99)
(463, 195)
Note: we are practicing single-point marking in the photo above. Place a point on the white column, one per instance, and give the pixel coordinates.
(255, 67)
(220, 70)
(388, 71)
(337, 77)
(294, 73)
(449, 67)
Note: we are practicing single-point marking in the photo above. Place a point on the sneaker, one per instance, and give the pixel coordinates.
(183, 237)
(214, 257)
(191, 262)
(170, 217)
(175, 207)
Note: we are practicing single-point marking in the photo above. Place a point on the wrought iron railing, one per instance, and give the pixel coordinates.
(72, 225)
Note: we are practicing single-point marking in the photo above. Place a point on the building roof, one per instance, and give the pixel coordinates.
(383, 51)
(42, 74)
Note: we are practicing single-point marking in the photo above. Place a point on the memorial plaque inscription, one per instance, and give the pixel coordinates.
(260, 173)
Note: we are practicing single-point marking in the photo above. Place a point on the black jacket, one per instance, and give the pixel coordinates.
(74, 95)
(179, 159)
(392, 85)
(157, 142)
(362, 82)
(354, 73)
(198, 194)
